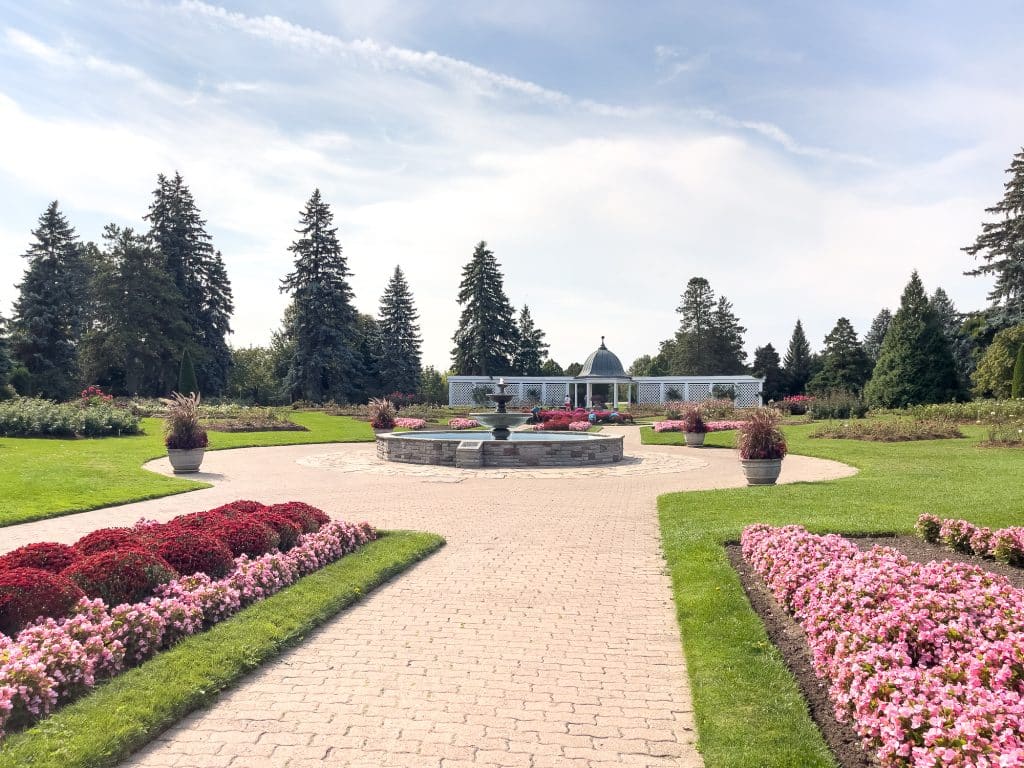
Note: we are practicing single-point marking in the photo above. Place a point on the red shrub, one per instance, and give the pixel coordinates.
(288, 532)
(46, 556)
(199, 521)
(189, 551)
(105, 539)
(247, 536)
(28, 593)
(240, 508)
(121, 575)
(310, 519)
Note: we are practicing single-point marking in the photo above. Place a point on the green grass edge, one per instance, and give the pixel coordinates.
(126, 713)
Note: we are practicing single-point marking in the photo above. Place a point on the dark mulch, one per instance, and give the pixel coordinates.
(791, 641)
(253, 426)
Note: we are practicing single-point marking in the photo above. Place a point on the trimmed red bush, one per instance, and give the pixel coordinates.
(121, 575)
(309, 518)
(288, 532)
(46, 556)
(199, 521)
(188, 551)
(28, 593)
(106, 539)
(240, 508)
(247, 536)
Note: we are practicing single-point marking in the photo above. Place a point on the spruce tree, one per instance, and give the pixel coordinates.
(50, 311)
(368, 358)
(6, 364)
(325, 364)
(726, 353)
(1001, 247)
(198, 272)
(531, 349)
(690, 353)
(1017, 386)
(187, 383)
(134, 340)
(399, 364)
(797, 364)
(915, 364)
(960, 343)
(873, 338)
(486, 339)
(767, 366)
(844, 363)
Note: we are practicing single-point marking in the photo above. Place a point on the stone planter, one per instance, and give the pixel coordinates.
(185, 460)
(761, 471)
(695, 439)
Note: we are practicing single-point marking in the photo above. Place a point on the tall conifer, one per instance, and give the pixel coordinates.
(873, 338)
(399, 365)
(798, 361)
(6, 364)
(532, 350)
(844, 363)
(767, 366)
(486, 339)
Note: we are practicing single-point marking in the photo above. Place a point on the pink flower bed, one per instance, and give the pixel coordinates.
(463, 423)
(410, 423)
(53, 660)
(925, 660)
(1004, 544)
(676, 425)
(579, 426)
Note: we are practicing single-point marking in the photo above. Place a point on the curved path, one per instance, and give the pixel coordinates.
(543, 634)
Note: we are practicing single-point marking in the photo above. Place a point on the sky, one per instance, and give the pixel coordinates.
(804, 157)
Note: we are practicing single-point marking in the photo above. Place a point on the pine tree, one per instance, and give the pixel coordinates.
(50, 311)
(798, 361)
(325, 364)
(486, 339)
(187, 383)
(198, 272)
(844, 363)
(915, 364)
(691, 350)
(875, 335)
(1017, 386)
(726, 353)
(531, 350)
(767, 366)
(137, 330)
(1001, 246)
(399, 365)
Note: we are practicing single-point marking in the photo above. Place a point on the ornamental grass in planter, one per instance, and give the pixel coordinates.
(184, 436)
(762, 447)
(694, 426)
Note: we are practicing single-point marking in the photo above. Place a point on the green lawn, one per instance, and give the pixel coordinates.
(749, 711)
(42, 478)
(120, 716)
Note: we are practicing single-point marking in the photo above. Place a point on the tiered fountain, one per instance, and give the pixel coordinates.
(500, 420)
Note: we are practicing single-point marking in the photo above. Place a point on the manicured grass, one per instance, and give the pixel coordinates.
(46, 477)
(749, 711)
(118, 718)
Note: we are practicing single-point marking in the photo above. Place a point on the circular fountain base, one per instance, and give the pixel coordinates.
(480, 449)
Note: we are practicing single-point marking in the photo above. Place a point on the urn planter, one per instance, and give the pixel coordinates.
(761, 471)
(185, 460)
(695, 439)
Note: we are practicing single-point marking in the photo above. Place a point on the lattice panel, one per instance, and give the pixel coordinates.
(460, 392)
(699, 391)
(556, 394)
(649, 392)
(748, 394)
(523, 397)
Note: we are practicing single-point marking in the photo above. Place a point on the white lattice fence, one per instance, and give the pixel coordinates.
(748, 395)
(555, 393)
(699, 391)
(648, 392)
(460, 392)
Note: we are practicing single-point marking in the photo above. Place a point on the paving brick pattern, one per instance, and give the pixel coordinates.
(543, 634)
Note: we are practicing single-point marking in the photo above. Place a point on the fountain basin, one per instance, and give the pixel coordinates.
(481, 449)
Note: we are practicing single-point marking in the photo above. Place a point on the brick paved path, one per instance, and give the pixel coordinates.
(542, 635)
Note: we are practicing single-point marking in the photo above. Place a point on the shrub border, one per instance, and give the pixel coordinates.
(124, 714)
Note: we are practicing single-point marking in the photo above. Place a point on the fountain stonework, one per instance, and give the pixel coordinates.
(500, 447)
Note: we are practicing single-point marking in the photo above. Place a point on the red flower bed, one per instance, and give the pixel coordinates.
(288, 532)
(28, 593)
(46, 556)
(200, 521)
(188, 551)
(120, 575)
(240, 508)
(310, 519)
(106, 539)
(247, 536)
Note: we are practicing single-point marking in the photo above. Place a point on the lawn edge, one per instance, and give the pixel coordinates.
(104, 727)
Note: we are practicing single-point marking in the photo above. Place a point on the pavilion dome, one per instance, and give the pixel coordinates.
(602, 364)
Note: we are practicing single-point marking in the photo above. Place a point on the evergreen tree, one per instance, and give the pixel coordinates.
(486, 339)
(1017, 386)
(137, 330)
(6, 364)
(960, 343)
(325, 364)
(531, 349)
(915, 364)
(797, 364)
(50, 311)
(844, 363)
(199, 274)
(875, 335)
(551, 368)
(994, 375)
(691, 351)
(369, 356)
(767, 366)
(399, 362)
(1001, 246)
(726, 353)
(187, 383)
(282, 353)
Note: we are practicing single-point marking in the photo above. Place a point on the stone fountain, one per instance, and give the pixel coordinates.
(500, 420)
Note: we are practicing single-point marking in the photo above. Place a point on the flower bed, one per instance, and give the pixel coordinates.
(925, 660)
(894, 431)
(463, 423)
(677, 425)
(410, 423)
(1005, 544)
(83, 639)
(91, 417)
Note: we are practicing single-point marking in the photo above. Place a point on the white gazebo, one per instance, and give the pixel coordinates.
(603, 367)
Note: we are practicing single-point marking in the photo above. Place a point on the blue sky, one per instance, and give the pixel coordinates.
(804, 157)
